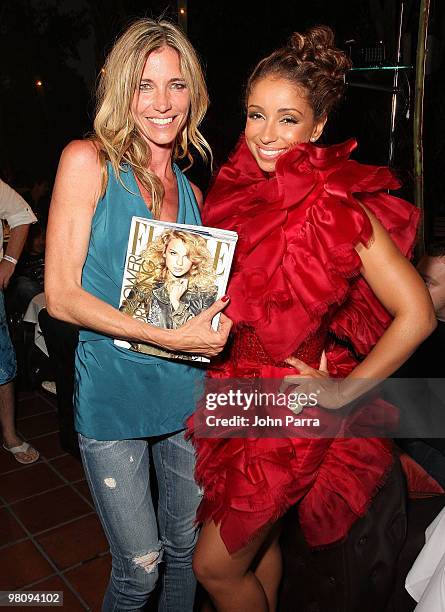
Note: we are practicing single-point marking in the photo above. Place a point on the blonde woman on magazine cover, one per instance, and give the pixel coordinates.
(176, 281)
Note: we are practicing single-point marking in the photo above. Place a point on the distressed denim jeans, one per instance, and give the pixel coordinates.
(139, 538)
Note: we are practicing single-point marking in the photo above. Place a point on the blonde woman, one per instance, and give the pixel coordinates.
(151, 100)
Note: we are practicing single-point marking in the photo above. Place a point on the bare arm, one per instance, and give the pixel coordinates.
(76, 192)
(400, 288)
(16, 242)
(402, 291)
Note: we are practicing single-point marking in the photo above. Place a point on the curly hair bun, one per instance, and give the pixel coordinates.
(317, 46)
(312, 61)
(315, 39)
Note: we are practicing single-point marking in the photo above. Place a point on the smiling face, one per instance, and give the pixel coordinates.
(161, 106)
(177, 259)
(278, 117)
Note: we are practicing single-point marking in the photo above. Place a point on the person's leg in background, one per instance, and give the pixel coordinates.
(179, 497)
(22, 451)
(61, 340)
(21, 291)
(118, 476)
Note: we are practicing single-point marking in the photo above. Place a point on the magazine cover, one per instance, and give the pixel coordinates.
(172, 273)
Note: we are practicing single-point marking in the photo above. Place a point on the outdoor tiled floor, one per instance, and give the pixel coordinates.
(50, 537)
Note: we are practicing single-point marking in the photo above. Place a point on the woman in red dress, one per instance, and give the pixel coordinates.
(321, 275)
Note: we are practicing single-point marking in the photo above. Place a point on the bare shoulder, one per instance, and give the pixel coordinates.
(82, 154)
(381, 238)
(79, 175)
(198, 195)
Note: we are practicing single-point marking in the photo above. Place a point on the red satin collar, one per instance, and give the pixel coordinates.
(297, 231)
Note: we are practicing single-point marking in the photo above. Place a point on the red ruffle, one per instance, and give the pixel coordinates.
(250, 483)
(349, 476)
(420, 483)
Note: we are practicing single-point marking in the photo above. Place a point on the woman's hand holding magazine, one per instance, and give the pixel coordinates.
(198, 336)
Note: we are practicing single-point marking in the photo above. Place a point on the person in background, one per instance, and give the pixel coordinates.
(432, 269)
(19, 216)
(61, 340)
(424, 398)
(318, 289)
(130, 408)
(27, 280)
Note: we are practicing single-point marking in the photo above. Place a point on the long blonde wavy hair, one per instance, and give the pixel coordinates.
(115, 129)
(201, 277)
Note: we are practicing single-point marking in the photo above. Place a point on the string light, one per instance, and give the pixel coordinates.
(182, 14)
(39, 83)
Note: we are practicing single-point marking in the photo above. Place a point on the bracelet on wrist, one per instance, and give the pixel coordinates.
(11, 259)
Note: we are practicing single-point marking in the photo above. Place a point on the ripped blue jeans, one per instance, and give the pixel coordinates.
(139, 537)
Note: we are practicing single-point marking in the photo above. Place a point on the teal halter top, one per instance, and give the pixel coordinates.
(120, 394)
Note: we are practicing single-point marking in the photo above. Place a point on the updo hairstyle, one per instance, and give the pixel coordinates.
(310, 61)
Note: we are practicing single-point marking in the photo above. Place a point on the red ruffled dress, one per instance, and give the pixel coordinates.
(296, 289)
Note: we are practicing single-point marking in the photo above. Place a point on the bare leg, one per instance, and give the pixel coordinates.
(207, 606)
(7, 422)
(269, 570)
(228, 579)
(7, 415)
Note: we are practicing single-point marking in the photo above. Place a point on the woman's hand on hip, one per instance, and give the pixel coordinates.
(305, 370)
(315, 381)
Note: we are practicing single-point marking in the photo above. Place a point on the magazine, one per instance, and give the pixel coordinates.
(172, 273)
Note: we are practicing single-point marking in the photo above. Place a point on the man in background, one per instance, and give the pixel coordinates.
(426, 398)
(432, 269)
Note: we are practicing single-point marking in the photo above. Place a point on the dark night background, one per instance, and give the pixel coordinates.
(62, 43)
